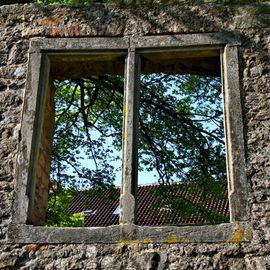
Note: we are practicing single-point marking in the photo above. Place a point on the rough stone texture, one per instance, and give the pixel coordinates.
(18, 23)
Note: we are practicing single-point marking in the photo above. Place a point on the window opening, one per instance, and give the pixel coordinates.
(169, 100)
(87, 133)
(84, 110)
(181, 143)
(87, 136)
(134, 59)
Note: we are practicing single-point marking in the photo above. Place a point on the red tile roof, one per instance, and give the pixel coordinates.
(152, 209)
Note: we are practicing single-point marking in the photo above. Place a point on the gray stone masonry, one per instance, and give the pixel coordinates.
(241, 245)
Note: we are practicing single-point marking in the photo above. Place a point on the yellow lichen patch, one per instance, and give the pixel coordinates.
(123, 222)
(238, 235)
(147, 241)
(124, 110)
(183, 240)
(171, 239)
(128, 242)
(248, 234)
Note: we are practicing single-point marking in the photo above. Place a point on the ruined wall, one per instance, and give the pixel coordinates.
(18, 23)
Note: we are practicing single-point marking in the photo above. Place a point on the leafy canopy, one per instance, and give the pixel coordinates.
(58, 210)
(181, 135)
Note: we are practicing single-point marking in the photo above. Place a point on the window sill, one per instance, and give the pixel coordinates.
(131, 234)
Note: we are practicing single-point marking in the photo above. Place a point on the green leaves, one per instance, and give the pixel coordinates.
(88, 124)
(181, 127)
(58, 210)
(181, 135)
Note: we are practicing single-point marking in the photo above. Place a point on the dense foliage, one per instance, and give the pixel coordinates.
(181, 127)
(181, 135)
(88, 126)
(58, 210)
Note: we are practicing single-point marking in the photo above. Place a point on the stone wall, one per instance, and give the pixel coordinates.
(18, 23)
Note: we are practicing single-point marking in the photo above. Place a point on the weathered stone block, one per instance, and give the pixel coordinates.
(19, 23)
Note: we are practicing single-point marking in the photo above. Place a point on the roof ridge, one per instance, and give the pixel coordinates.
(139, 185)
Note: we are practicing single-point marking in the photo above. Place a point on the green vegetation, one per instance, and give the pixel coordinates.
(181, 136)
(58, 207)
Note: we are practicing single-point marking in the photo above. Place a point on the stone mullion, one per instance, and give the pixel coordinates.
(130, 140)
(234, 136)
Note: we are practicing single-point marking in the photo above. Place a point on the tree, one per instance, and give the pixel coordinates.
(58, 210)
(181, 135)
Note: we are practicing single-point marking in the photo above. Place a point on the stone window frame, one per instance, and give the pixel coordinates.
(38, 76)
